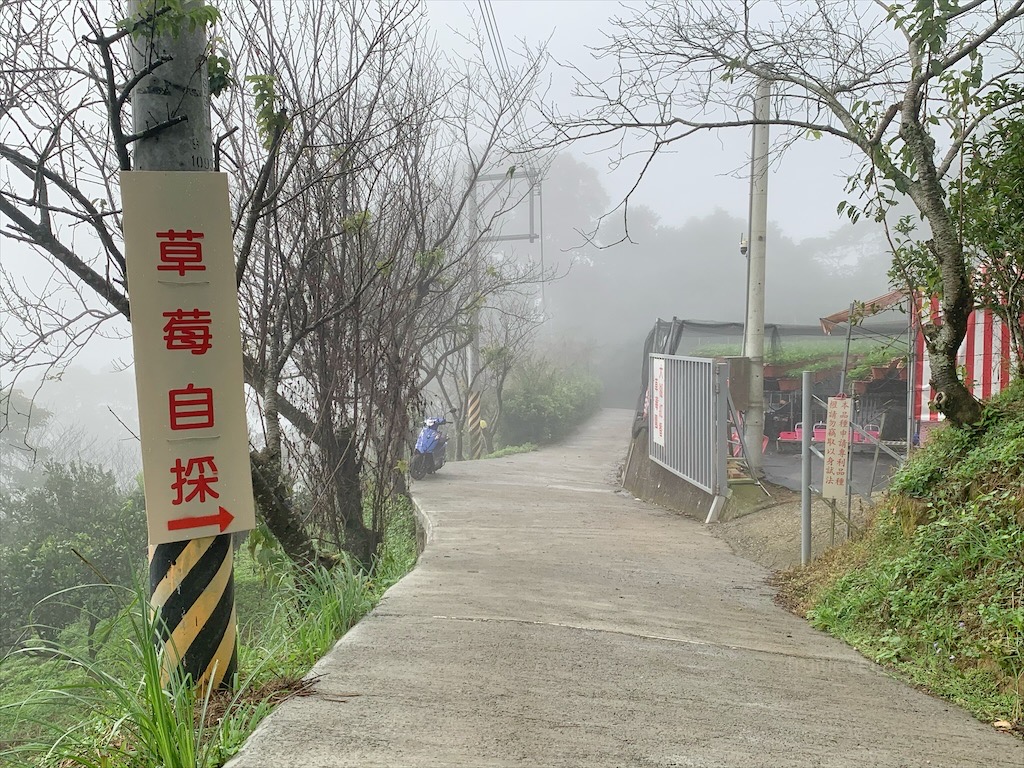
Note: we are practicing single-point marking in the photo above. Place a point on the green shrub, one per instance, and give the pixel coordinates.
(941, 596)
(78, 525)
(71, 703)
(544, 403)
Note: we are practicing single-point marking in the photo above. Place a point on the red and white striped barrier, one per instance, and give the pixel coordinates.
(984, 355)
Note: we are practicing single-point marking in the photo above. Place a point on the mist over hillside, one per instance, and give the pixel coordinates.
(618, 277)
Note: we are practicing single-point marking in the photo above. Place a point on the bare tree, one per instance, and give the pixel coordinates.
(508, 324)
(352, 151)
(359, 236)
(905, 84)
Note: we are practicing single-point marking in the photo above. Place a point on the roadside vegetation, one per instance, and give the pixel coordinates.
(935, 588)
(546, 401)
(95, 698)
(512, 450)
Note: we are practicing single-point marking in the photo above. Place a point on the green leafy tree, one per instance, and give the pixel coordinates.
(546, 401)
(989, 206)
(78, 529)
(905, 84)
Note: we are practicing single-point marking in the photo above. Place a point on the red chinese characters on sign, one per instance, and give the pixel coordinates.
(835, 472)
(195, 477)
(191, 407)
(188, 330)
(837, 439)
(181, 252)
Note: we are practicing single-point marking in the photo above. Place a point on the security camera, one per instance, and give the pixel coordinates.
(743, 246)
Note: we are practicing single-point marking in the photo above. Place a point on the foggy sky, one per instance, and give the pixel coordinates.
(703, 173)
(697, 196)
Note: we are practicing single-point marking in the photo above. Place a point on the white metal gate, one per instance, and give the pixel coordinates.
(688, 422)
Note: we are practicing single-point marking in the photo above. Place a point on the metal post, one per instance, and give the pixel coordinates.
(754, 342)
(846, 350)
(849, 474)
(874, 461)
(805, 472)
(911, 376)
(191, 582)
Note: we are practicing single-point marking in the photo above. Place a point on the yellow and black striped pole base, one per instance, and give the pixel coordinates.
(192, 593)
(473, 414)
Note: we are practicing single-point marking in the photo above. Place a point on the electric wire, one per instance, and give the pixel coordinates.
(493, 33)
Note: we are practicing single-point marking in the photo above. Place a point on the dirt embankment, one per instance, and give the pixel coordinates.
(767, 529)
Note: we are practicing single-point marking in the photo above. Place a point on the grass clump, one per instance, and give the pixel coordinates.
(67, 703)
(512, 450)
(936, 588)
(124, 713)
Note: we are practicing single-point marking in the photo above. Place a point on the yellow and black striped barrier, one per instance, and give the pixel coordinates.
(475, 437)
(193, 597)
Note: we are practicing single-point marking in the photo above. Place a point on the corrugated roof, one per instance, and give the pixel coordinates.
(863, 309)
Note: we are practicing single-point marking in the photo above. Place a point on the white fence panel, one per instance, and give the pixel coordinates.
(688, 432)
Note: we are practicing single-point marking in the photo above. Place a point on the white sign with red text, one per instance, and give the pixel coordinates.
(658, 401)
(837, 446)
(188, 354)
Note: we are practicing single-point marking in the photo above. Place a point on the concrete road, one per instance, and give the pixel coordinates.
(553, 620)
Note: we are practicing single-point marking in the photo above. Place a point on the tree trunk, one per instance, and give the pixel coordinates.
(348, 490)
(272, 499)
(952, 399)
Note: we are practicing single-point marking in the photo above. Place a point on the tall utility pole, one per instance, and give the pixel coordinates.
(473, 364)
(192, 581)
(753, 343)
(473, 350)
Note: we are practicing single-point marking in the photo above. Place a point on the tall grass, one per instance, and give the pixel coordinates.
(114, 710)
(398, 555)
(936, 590)
(314, 607)
(126, 715)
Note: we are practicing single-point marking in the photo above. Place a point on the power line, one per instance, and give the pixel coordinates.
(489, 8)
(493, 32)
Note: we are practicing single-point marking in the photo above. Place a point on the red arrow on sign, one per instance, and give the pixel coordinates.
(222, 519)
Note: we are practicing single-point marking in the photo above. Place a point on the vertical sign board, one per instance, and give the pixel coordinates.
(188, 354)
(837, 439)
(658, 401)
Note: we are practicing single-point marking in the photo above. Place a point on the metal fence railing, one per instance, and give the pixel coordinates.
(688, 420)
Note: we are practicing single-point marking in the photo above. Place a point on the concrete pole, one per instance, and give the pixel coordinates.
(805, 469)
(473, 350)
(192, 600)
(754, 336)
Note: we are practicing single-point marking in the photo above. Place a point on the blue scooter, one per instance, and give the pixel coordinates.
(429, 454)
